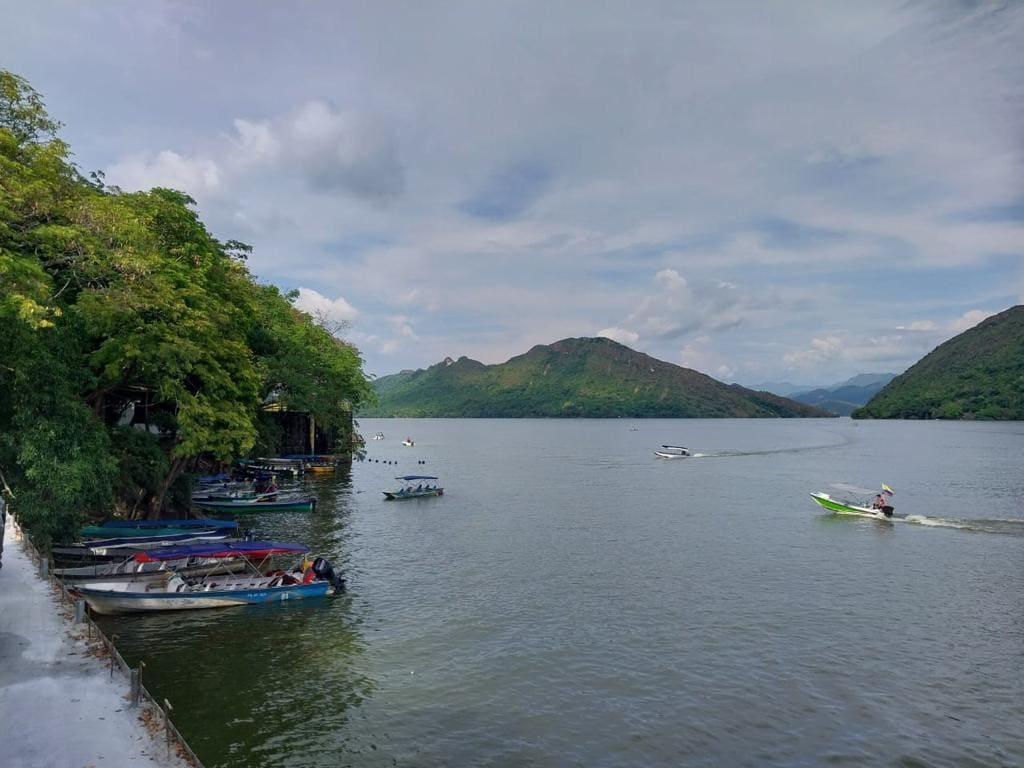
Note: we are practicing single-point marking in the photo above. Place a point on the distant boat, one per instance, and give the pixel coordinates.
(408, 442)
(379, 436)
(415, 487)
(673, 452)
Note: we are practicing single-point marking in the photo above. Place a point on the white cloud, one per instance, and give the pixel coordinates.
(620, 335)
(968, 320)
(677, 308)
(194, 176)
(701, 355)
(254, 143)
(328, 311)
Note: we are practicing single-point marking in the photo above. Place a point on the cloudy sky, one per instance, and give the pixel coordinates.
(762, 191)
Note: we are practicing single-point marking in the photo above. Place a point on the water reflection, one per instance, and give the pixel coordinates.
(253, 683)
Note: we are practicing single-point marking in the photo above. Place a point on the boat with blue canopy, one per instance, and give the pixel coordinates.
(415, 487)
(217, 590)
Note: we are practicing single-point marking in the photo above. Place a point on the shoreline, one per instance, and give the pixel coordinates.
(60, 707)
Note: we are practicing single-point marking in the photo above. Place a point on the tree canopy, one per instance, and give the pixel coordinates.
(115, 303)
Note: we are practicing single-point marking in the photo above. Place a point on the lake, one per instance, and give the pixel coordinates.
(574, 601)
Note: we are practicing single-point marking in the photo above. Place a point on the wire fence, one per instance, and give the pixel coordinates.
(140, 696)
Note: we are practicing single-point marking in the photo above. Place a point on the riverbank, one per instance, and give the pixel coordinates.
(59, 705)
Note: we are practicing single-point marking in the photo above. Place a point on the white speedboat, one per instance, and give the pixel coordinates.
(673, 452)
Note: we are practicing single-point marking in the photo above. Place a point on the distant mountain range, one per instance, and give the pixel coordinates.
(976, 375)
(843, 399)
(580, 377)
(788, 389)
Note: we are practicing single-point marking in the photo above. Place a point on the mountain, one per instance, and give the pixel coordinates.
(841, 400)
(585, 377)
(790, 390)
(865, 380)
(844, 398)
(976, 375)
(783, 388)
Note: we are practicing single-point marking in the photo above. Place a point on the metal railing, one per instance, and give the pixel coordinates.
(139, 695)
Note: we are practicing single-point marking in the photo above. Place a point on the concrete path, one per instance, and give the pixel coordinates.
(58, 706)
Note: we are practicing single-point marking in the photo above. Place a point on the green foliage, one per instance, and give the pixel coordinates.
(595, 378)
(117, 302)
(976, 375)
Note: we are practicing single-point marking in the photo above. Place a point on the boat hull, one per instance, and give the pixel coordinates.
(242, 507)
(840, 507)
(399, 495)
(106, 601)
(671, 455)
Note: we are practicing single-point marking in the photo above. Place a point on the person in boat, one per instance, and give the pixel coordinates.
(879, 501)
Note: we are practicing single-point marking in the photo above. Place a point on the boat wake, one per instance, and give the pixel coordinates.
(1005, 526)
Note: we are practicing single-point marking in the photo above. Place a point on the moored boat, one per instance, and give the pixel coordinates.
(415, 487)
(217, 590)
(241, 506)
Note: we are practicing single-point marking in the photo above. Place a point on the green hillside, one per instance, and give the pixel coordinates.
(976, 375)
(585, 377)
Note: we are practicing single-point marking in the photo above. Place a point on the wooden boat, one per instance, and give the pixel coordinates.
(188, 560)
(192, 522)
(133, 570)
(216, 590)
(115, 550)
(415, 487)
(242, 506)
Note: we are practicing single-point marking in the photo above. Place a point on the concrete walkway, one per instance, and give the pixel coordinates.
(58, 706)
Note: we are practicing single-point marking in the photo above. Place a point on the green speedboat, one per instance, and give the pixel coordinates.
(844, 507)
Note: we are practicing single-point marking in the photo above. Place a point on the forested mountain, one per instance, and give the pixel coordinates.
(976, 375)
(115, 303)
(588, 377)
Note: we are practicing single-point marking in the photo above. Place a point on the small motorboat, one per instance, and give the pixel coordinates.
(379, 436)
(415, 487)
(408, 442)
(842, 506)
(673, 452)
(217, 590)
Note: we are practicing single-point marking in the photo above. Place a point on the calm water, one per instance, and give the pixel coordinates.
(573, 600)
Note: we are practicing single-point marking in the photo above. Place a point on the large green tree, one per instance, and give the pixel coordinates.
(122, 307)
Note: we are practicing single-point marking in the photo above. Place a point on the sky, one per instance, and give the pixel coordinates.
(791, 191)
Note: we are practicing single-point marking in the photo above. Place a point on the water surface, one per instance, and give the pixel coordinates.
(572, 600)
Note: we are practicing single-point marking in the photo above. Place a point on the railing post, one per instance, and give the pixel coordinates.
(79, 611)
(111, 651)
(167, 725)
(44, 568)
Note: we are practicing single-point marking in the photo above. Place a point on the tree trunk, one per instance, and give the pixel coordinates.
(156, 503)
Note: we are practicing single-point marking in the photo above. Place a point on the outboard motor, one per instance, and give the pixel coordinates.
(887, 511)
(324, 570)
